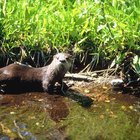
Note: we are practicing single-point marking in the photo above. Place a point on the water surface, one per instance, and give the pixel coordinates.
(39, 116)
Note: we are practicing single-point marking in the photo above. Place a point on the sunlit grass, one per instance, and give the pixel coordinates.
(100, 27)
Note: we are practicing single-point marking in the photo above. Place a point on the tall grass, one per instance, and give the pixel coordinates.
(101, 27)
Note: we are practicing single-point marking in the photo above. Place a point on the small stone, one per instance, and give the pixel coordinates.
(12, 113)
(37, 123)
(87, 91)
(107, 101)
(102, 116)
(131, 107)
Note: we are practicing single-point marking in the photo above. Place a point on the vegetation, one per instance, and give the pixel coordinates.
(96, 30)
(100, 27)
(136, 64)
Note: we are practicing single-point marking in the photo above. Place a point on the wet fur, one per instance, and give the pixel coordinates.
(17, 77)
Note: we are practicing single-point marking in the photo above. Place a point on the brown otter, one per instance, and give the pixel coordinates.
(44, 77)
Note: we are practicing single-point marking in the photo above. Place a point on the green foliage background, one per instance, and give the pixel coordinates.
(102, 27)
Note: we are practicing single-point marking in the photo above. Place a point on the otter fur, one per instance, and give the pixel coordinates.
(15, 76)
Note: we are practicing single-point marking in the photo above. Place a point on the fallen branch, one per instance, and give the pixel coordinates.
(78, 76)
(87, 76)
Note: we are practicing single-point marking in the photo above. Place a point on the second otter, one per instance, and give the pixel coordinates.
(44, 77)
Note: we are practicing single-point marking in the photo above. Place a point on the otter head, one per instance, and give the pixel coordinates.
(63, 59)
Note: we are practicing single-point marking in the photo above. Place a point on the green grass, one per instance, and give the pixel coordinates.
(100, 27)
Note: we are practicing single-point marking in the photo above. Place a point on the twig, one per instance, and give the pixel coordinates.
(18, 129)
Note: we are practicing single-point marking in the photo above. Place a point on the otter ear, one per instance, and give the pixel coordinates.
(70, 57)
(55, 57)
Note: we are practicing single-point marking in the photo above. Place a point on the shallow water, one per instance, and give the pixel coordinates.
(39, 116)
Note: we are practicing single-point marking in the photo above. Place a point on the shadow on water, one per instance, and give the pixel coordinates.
(81, 99)
(29, 106)
(53, 105)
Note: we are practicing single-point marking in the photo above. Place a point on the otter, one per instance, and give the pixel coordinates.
(43, 78)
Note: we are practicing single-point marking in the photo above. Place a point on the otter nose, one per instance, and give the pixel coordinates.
(63, 61)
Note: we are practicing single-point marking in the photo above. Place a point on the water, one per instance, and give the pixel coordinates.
(87, 112)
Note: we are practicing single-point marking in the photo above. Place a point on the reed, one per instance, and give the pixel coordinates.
(101, 27)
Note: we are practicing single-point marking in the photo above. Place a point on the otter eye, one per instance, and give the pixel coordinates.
(57, 57)
(67, 58)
